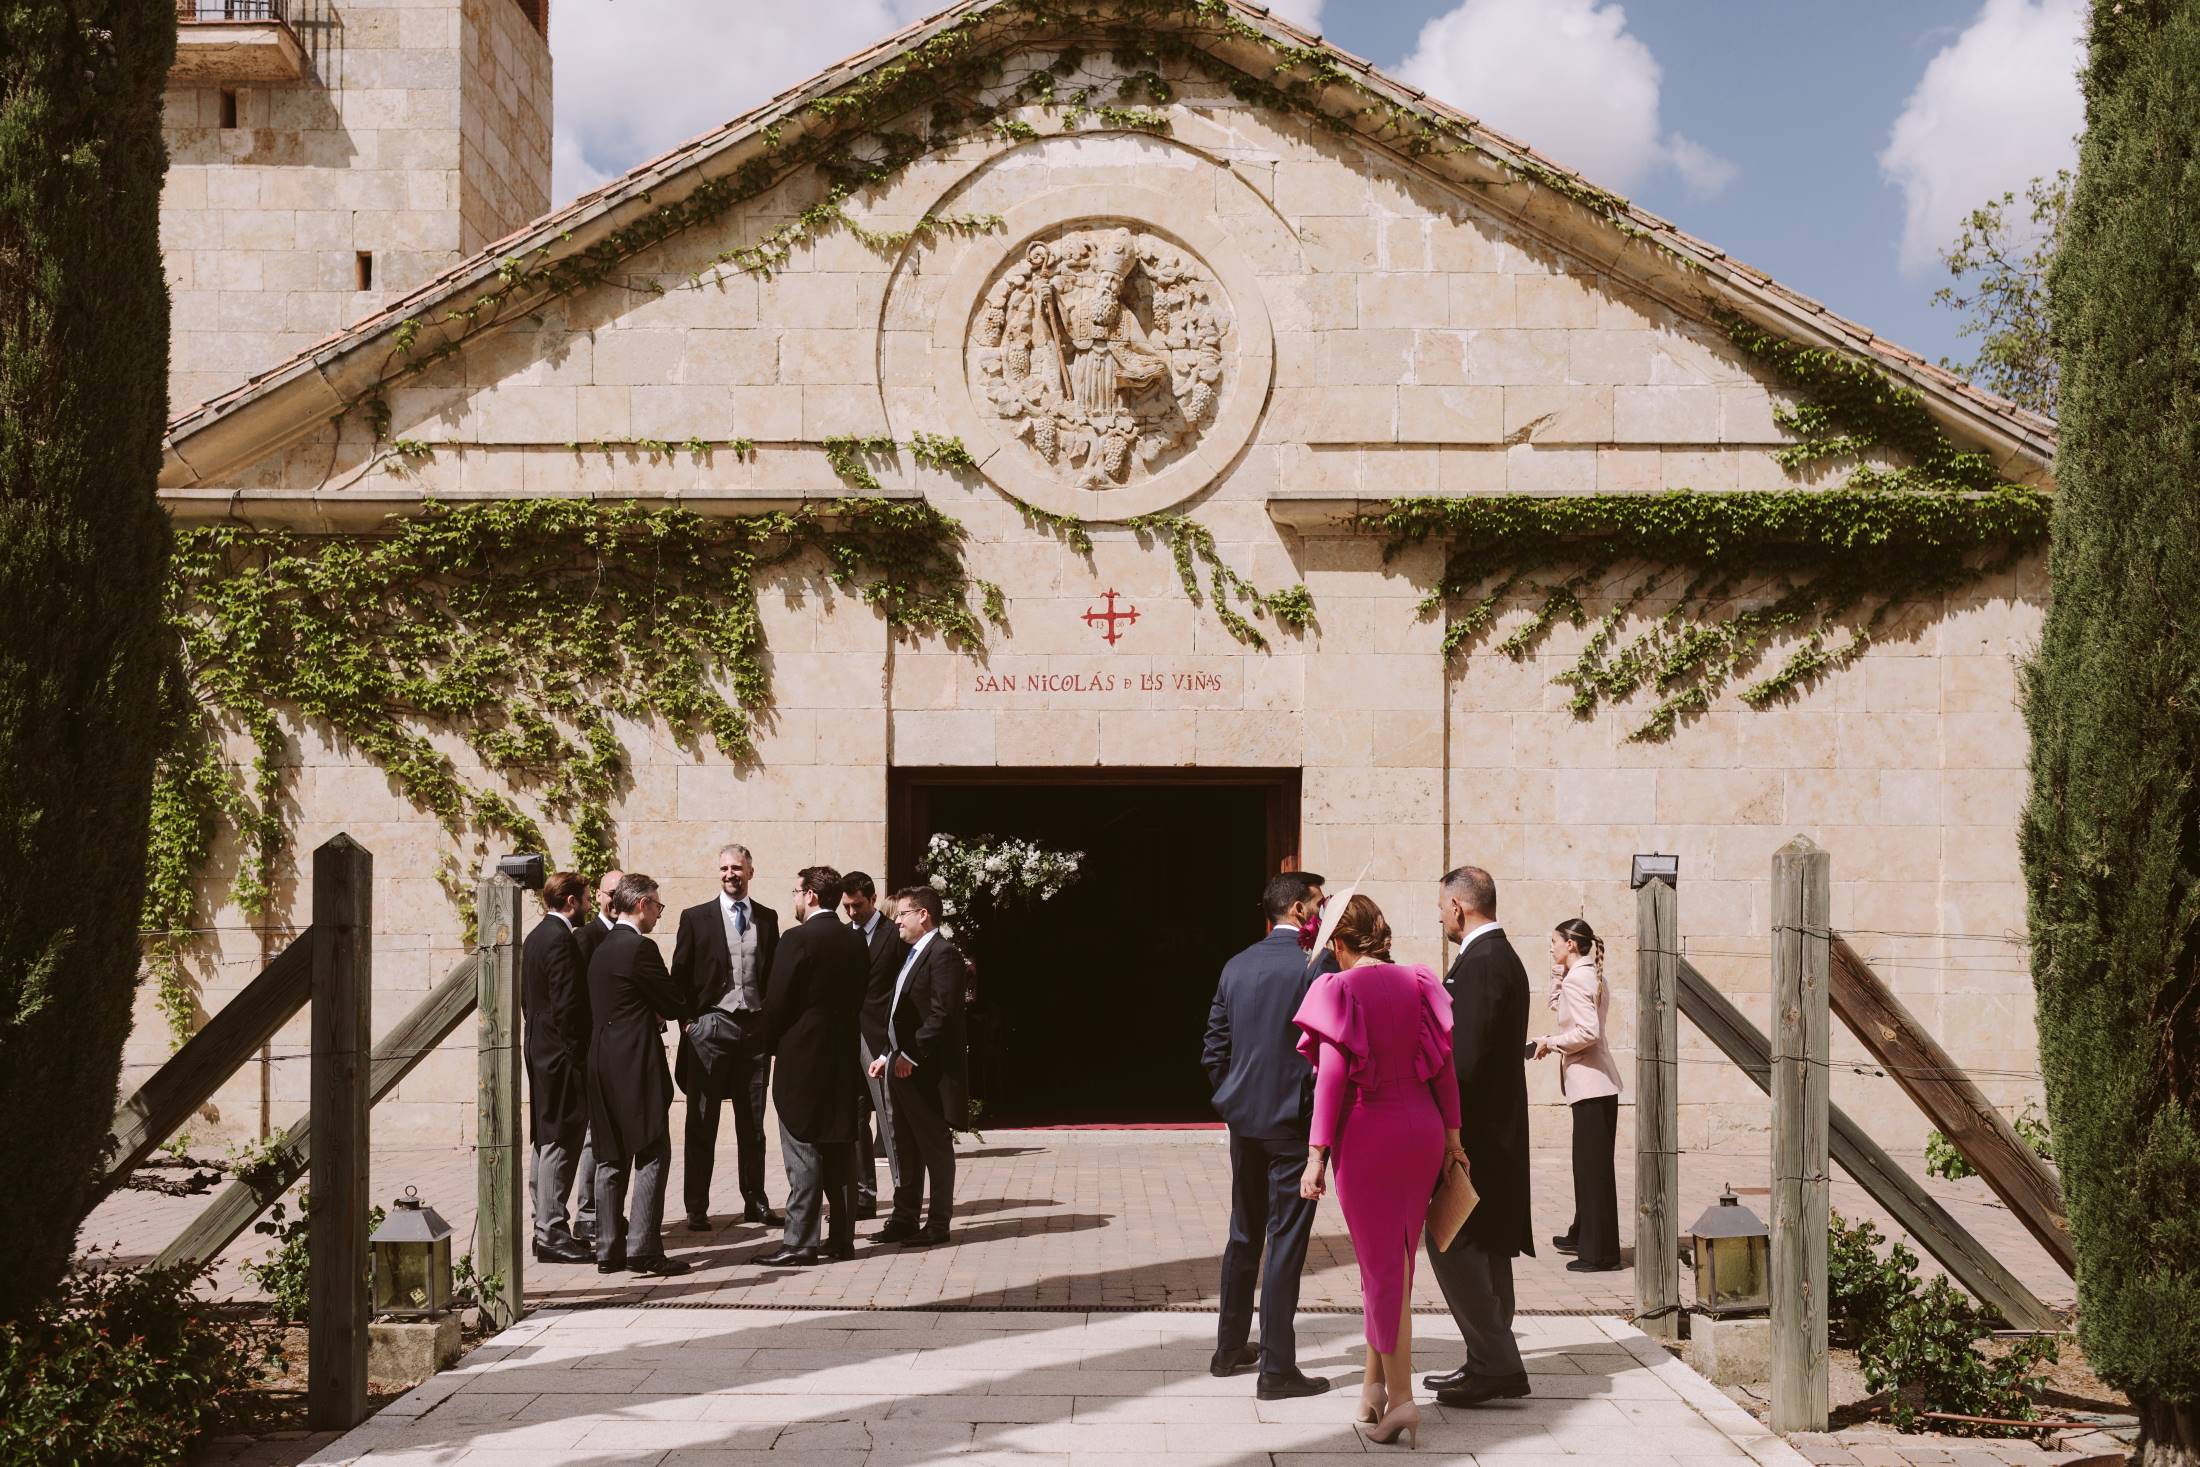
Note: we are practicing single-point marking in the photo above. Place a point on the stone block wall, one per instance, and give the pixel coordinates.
(419, 133)
(1422, 345)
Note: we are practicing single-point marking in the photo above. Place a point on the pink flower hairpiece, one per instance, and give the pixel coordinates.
(1308, 934)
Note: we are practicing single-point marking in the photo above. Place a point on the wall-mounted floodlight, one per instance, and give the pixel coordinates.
(1654, 868)
(526, 871)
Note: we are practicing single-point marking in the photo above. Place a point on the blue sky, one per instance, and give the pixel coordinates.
(1831, 145)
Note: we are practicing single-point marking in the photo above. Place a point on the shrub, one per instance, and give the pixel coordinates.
(1943, 1160)
(1862, 1289)
(121, 1367)
(287, 1273)
(1925, 1351)
(1921, 1342)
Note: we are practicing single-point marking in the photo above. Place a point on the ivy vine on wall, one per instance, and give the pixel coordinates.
(524, 627)
(1718, 579)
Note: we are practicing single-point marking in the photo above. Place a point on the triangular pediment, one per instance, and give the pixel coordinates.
(945, 123)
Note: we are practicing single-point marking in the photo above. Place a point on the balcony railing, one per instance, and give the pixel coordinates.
(203, 12)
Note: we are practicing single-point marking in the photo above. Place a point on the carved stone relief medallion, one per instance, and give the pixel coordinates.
(1102, 353)
(1111, 360)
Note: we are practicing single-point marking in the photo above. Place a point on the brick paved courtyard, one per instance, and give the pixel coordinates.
(689, 1387)
(1066, 1325)
(1063, 1220)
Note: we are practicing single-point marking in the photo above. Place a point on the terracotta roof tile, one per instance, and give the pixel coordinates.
(1504, 147)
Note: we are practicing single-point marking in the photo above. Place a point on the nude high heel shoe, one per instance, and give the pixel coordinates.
(1401, 1420)
(1374, 1398)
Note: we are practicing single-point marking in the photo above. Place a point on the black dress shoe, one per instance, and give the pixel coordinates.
(1286, 1387)
(789, 1258)
(586, 1232)
(1230, 1362)
(698, 1223)
(562, 1252)
(1449, 1379)
(757, 1212)
(925, 1239)
(865, 1211)
(658, 1267)
(616, 1263)
(895, 1232)
(1585, 1265)
(1563, 1243)
(1480, 1390)
(837, 1252)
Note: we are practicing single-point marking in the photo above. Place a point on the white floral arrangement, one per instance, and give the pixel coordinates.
(978, 875)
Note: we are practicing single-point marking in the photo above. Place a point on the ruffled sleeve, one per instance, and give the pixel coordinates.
(1432, 1063)
(1333, 1037)
(1434, 1040)
(1330, 1014)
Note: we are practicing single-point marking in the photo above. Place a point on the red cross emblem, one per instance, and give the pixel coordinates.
(1110, 617)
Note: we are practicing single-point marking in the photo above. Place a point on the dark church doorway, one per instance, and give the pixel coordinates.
(1090, 1010)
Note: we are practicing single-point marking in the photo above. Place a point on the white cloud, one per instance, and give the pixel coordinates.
(1702, 172)
(1566, 78)
(635, 77)
(1305, 14)
(1998, 106)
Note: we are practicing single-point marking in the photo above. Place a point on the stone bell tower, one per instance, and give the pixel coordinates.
(327, 157)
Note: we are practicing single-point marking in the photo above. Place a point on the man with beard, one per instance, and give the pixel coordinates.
(722, 959)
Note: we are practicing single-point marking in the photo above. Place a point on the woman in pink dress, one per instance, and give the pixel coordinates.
(1386, 1109)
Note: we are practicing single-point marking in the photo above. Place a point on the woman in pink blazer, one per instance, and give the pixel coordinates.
(1589, 1080)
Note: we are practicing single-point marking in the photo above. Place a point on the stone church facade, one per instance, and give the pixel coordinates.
(1244, 314)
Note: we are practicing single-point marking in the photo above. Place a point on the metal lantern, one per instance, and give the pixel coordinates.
(412, 1261)
(1733, 1259)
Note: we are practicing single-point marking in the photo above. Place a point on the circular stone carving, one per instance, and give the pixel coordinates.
(1111, 361)
(1102, 351)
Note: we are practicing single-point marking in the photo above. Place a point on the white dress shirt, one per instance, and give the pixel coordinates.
(901, 981)
(1468, 940)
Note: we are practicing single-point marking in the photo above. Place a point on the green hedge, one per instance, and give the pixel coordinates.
(121, 1367)
(2111, 835)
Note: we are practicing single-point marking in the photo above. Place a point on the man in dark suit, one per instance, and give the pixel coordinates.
(859, 904)
(630, 996)
(591, 932)
(1264, 1089)
(811, 1013)
(722, 959)
(589, 936)
(926, 1063)
(554, 999)
(1489, 1036)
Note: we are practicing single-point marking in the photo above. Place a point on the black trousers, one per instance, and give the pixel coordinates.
(1596, 1193)
(1265, 1207)
(699, 1151)
(925, 1144)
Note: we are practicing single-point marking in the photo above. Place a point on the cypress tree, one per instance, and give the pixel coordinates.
(2111, 835)
(83, 552)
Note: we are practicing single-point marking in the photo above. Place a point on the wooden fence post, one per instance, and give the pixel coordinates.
(500, 1231)
(342, 1026)
(1657, 1112)
(1802, 962)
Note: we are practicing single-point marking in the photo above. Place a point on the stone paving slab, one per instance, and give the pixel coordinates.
(1056, 1220)
(768, 1388)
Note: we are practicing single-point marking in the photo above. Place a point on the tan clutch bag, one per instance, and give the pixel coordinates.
(1454, 1201)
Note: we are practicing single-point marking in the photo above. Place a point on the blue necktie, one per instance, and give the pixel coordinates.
(741, 918)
